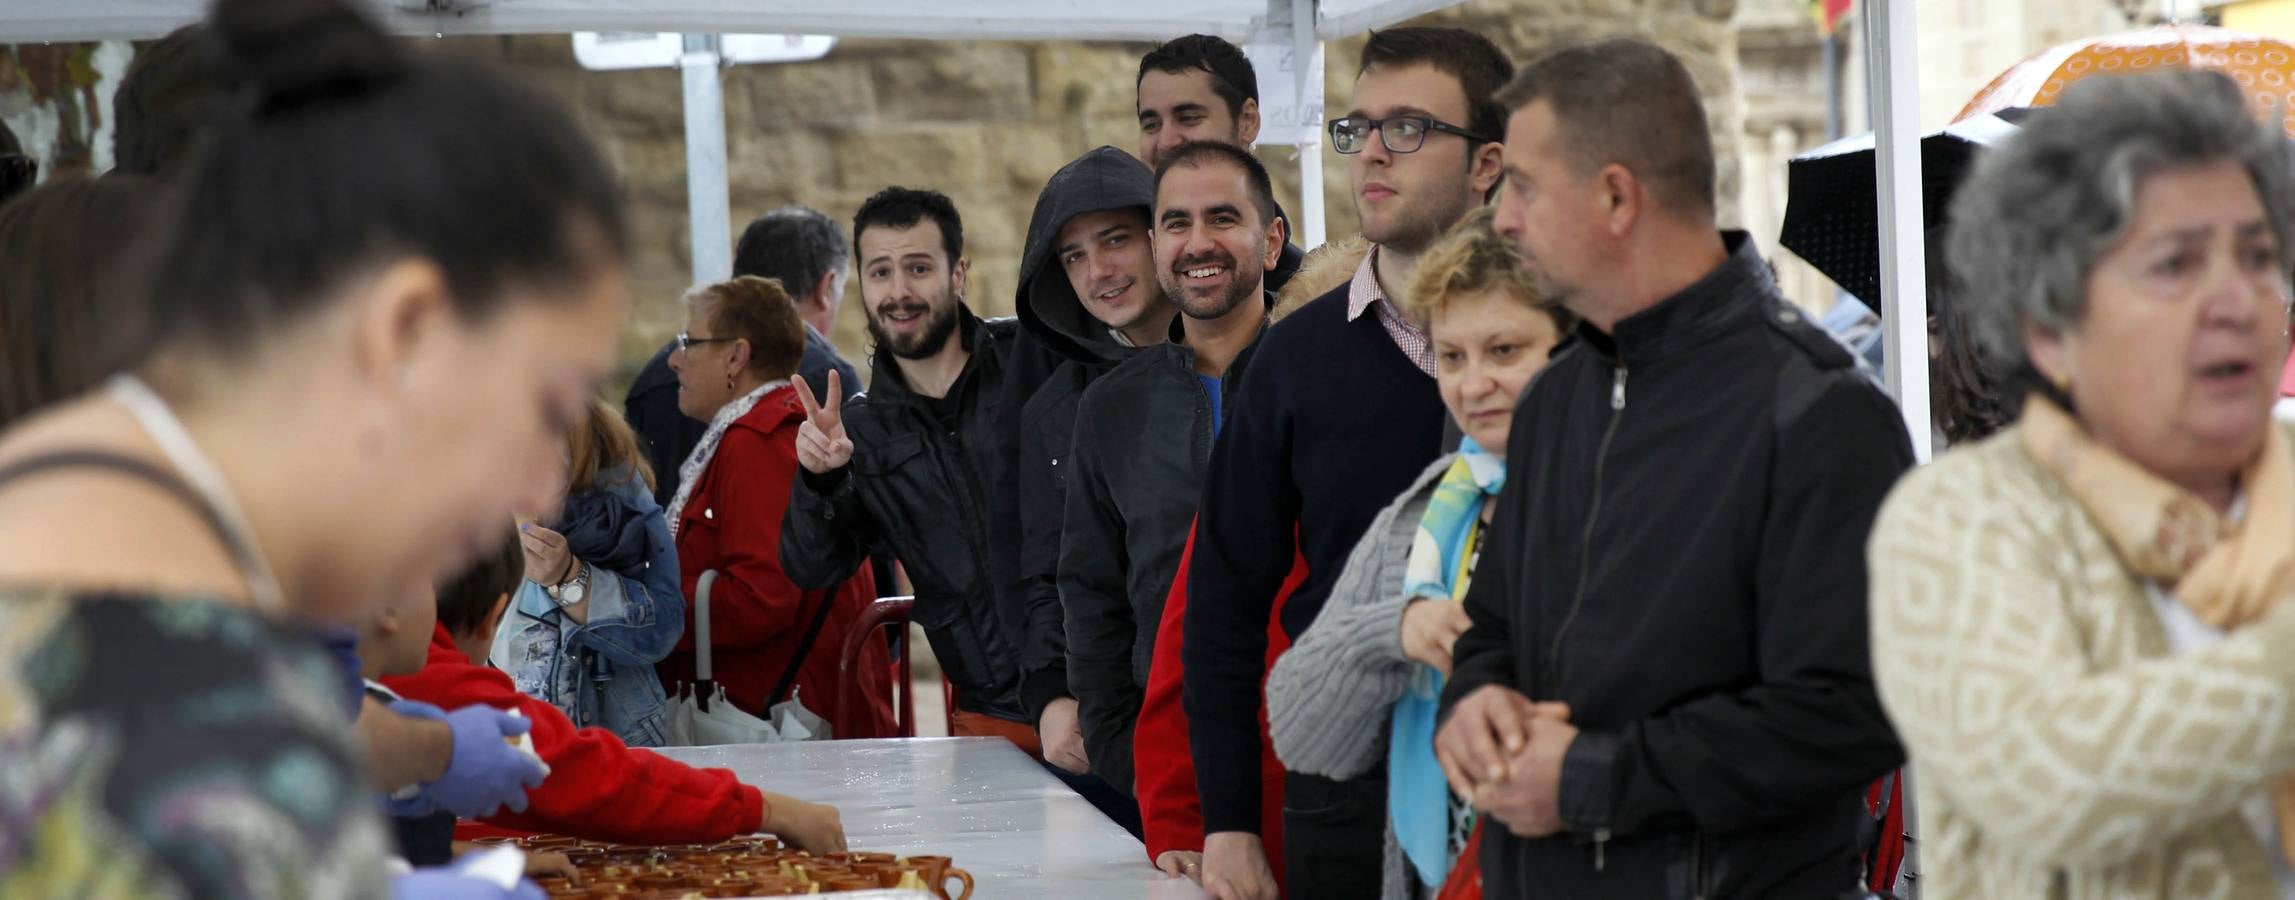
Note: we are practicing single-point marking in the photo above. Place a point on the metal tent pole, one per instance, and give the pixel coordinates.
(708, 207)
(1308, 50)
(1893, 79)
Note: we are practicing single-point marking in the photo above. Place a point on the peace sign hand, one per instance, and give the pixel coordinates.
(822, 446)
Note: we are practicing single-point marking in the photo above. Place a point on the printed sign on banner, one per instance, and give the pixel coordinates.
(1285, 118)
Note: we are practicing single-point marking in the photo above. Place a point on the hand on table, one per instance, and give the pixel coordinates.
(1186, 864)
(1063, 737)
(1528, 800)
(822, 446)
(812, 827)
(539, 864)
(1235, 867)
(453, 883)
(1430, 628)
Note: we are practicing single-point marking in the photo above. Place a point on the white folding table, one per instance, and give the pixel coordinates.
(1019, 831)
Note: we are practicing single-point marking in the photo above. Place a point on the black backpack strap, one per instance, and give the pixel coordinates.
(804, 649)
(87, 458)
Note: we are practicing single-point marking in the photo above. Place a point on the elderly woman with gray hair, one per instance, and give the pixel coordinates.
(2079, 624)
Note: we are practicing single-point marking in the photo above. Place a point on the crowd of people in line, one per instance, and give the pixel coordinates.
(310, 496)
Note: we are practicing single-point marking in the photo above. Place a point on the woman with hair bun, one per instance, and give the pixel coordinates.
(392, 284)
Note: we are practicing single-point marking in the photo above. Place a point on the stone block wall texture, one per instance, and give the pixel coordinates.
(984, 122)
(988, 122)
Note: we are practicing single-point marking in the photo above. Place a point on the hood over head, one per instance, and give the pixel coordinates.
(1103, 179)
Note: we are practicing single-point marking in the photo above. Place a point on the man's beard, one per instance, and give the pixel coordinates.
(1418, 225)
(1201, 308)
(1415, 229)
(924, 343)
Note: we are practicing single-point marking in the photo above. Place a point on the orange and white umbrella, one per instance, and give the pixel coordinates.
(2263, 67)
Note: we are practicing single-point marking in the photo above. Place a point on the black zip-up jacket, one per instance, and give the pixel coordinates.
(943, 499)
(1679, 556)
(1063, 349)
(1143, 436)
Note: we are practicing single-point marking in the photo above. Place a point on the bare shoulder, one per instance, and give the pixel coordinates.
(95, 527)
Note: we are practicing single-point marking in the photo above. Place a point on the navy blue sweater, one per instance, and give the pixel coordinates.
(1330, 424)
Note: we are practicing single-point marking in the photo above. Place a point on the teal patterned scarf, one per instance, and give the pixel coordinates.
(1418, 798)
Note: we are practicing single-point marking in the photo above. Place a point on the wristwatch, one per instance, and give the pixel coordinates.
(573, 589)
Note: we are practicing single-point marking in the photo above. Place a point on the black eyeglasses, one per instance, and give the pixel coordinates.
(1401, 134)
(686, 341)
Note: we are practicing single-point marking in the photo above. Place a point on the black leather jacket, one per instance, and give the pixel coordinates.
(943, 497)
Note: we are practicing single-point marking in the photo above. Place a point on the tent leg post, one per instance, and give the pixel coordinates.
(1894, 78)
(708, 208)
(1308, 231)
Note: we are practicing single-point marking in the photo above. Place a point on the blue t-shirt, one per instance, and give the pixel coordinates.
(1211, 389)
(343, 645)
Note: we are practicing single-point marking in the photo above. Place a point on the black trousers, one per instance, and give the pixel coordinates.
(1334, 836)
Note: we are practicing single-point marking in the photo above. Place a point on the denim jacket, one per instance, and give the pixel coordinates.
(602, 673)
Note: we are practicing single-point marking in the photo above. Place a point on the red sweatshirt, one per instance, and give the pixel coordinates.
(598, 788)
(1171, 814)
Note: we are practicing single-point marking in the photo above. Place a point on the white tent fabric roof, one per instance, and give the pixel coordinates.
(80, 20)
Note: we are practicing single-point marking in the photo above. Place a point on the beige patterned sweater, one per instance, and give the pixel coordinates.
(2058, 749)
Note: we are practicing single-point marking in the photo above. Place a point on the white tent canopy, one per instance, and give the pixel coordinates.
(82, 20)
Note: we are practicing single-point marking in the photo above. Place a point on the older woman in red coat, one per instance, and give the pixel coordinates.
(741, 342)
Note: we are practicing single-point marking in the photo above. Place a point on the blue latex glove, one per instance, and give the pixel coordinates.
(448, 884)
(484, 774)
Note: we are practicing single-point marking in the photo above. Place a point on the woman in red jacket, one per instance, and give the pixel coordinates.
(741, 343)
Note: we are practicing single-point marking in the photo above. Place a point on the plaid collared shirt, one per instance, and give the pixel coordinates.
(1363, 293)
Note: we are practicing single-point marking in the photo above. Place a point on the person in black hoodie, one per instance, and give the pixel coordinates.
(1679, 551)
(1088, 293)
(1144, 433)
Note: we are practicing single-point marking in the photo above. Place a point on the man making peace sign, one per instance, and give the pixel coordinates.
(923, 463)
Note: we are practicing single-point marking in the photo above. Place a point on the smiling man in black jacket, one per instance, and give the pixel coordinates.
(1144, 434)
(923, 462)
(1679, 552)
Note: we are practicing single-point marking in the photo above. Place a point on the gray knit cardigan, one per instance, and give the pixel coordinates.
(1330, 696)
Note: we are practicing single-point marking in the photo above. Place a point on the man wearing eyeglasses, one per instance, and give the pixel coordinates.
(1338, 412)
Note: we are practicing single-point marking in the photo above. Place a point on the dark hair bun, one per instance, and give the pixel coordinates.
(289, 53)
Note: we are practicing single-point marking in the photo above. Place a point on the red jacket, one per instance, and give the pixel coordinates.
(1171, 814)
(598, 788)
(732, 523)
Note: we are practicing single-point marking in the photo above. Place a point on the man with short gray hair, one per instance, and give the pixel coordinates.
(806, 251)
(1678, 556)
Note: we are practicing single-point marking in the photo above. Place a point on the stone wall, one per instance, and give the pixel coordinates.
(985, 122)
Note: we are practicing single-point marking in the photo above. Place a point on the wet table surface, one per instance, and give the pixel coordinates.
(1019, 831)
